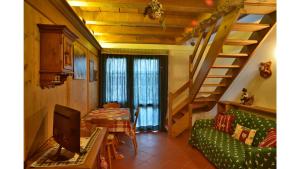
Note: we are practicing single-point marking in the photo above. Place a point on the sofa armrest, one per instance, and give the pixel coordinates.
(257, 158)
(202, 123)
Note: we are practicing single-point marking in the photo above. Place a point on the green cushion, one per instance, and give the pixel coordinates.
(247, 119)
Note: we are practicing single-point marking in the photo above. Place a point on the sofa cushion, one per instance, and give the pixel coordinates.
(270, 140)
(247, 119)
(244, 134)
(224, 122)
(219, 147)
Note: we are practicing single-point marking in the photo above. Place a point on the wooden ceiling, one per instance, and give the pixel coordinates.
(122, 21)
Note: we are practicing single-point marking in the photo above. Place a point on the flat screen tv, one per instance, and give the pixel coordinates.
(66, 132)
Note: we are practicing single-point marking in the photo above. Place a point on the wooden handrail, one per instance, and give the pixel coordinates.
(196, 47)
(200, 55)
(214, 50)
(180, 90)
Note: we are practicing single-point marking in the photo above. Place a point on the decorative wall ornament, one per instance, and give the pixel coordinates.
(246, 99)
(155, 11)
(265, 69)
(224, 7)
(79, 63)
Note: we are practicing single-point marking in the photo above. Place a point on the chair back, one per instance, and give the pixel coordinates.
(111, 105)
(136, 114)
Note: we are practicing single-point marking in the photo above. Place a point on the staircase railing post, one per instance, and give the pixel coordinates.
(170, 114)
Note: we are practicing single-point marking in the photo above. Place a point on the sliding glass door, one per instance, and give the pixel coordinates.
(137, 81)
(146, 92)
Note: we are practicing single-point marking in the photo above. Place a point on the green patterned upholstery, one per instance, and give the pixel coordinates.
(260, 158)
(219, 148)
(226, 152)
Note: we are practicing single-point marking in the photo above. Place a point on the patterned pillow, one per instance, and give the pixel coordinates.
(270, 140)
(223, 122)
(244, 134)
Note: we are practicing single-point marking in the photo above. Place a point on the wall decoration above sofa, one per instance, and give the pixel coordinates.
(79, 63)
(265, 69)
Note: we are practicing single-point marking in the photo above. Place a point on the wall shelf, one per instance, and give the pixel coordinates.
(226, 105)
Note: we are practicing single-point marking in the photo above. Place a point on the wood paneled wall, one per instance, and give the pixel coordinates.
(39, 103)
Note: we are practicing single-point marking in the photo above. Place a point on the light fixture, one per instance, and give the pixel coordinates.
(154, 10)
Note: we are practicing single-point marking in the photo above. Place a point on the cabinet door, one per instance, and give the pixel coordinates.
(68, 54)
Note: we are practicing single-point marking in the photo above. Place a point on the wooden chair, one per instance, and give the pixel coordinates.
(110, 145)
(133, 130)
(111, 105)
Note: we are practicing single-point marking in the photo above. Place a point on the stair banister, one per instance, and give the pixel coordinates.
(214, 50)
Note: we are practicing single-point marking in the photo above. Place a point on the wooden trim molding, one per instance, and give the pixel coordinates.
(131, 51)
(226, 105)
(68, 12)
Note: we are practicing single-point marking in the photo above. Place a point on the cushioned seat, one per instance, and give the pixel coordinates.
(221, 148)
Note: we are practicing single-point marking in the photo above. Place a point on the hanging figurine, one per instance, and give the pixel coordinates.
(265, 69)
(245, 98)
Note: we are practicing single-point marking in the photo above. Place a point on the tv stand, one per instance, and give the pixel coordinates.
(91, 161)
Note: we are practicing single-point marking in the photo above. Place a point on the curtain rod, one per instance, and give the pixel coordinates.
(134, 51)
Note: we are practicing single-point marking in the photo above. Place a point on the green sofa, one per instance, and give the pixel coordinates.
(225, 152)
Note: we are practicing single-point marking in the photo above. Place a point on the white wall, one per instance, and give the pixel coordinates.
(264, 90)
(178, 68)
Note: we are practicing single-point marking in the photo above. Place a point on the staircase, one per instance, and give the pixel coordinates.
(221, 52)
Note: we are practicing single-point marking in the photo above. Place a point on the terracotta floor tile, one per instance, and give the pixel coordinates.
(158, 151)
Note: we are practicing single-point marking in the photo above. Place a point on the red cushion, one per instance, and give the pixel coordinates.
(270, 139)
(223, 122)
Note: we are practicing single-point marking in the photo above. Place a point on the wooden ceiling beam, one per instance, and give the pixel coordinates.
(134, 24)
(135, 39)
(192, 6)
(131, 19)
(121, 30)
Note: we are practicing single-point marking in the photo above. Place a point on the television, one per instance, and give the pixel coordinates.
(66, 132)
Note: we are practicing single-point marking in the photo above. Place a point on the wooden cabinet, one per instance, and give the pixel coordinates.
(56, 54)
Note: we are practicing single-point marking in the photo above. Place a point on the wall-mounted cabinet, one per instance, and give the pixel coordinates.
(56, 54)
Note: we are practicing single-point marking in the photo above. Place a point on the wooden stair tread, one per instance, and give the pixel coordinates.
(232, 55)
(260, 3)
(196, 105)
(249, 27)
(213, 84)
(205, 99)
(225, 66)
(209, 92)
(257, 9)
(240, 42)
(177, 116)
(219, 76)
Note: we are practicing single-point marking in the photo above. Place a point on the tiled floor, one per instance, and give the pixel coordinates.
(158, 151)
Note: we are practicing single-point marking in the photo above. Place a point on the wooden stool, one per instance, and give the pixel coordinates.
(111, 145)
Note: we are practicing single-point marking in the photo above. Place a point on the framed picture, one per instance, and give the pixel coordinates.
(79, 63)
(92, 75)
